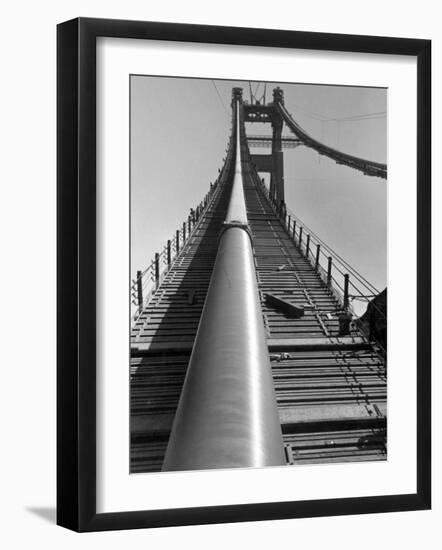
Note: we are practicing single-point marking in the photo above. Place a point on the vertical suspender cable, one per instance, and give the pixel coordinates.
(227, 415)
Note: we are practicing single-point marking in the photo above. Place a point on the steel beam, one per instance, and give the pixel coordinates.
(227, 415)
(266, 141)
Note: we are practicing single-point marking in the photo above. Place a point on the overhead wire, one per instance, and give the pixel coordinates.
(219, 96)
(379, 114)
(324, 118)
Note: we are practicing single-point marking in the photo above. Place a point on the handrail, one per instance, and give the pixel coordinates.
(147, 281)
(332, 274)
(338, 259)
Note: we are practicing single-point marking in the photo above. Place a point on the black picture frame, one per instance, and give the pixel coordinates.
(76, 273)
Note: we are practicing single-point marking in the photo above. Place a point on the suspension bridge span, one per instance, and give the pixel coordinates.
(245, 351)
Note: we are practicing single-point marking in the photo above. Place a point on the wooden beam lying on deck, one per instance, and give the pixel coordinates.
(273, 344)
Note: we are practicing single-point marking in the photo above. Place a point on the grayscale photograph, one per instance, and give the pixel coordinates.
(258, 274)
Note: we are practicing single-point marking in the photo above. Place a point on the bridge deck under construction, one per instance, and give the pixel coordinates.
(331, 390)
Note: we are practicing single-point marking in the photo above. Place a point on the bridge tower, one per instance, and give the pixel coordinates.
(245, 305)
(270, 163)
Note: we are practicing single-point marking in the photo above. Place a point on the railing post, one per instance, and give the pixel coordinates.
(329, 270)
(318, 251)
(289, 222)
(300, 238)
(294, 230)
(140, 290)
(177, 241)
(157, 268)
(169, 256)
(189, 221)
(184, 232)
(346, 281)
(307, 246)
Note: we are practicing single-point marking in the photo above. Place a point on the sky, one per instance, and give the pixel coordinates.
(179, 132)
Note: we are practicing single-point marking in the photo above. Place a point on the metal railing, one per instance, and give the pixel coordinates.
(343, 280)
(147, 281)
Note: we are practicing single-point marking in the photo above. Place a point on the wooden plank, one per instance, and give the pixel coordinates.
(287, 307)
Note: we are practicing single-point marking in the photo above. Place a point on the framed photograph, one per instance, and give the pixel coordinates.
(233, 204)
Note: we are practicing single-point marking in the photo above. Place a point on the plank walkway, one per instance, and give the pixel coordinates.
(331, 391)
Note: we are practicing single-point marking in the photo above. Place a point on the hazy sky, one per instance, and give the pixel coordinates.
(179, 132)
